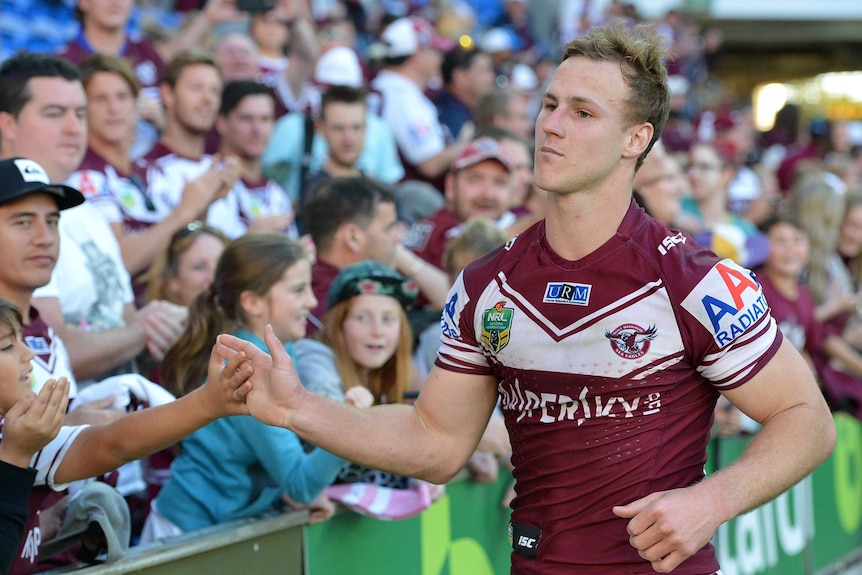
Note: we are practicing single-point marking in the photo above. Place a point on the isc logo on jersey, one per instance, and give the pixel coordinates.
(727, 301)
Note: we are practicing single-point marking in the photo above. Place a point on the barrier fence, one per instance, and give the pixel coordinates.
(813, 529)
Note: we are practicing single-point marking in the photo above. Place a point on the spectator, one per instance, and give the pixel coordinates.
(467, 74)
(191, 90)
(84, 451)
(367, 340)
(117, 187)
(237, 467)
(28, 426)
(104, 26)
(505, 108)
(29, 84)
(287, 50)
(512, 328)
(297, 149)
(479, 185)
(412, 60)
(354, 219)
(245, 124)
(188, 266)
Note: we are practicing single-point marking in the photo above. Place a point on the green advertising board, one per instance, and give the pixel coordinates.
(814, 525)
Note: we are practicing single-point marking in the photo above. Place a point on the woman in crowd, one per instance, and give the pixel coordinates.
(238, 467)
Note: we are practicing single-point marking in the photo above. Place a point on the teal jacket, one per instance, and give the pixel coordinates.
(239, 467)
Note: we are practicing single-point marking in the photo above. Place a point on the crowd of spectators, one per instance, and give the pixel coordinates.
(243, 168)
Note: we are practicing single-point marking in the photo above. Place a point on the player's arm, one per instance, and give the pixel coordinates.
(798, 434)
(431, 440)
(102, 448)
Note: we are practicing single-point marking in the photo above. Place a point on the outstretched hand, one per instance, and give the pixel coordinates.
(275, 387)
(33, 422)
(228, 381)
(668, 527)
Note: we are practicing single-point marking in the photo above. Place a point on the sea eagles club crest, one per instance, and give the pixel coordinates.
(631, 341)
(496, 326)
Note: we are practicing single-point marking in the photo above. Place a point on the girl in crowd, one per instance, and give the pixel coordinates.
(81, 452)
(238, 467)
(187, 267)
(366, 341)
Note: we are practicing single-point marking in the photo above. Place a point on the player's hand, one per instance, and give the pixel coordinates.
(668, 527)
(358, 396)
(484, 465)
(33, 422)
(228, 384)
(276, 389)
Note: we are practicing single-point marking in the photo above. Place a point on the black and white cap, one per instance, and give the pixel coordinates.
(20, 177)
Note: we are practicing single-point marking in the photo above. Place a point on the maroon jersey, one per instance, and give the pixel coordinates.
(428, 238)
(322, 276)
(145, 61)
(795, 317)
(608, 371)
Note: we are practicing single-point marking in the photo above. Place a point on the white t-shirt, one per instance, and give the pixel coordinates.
(411, 116)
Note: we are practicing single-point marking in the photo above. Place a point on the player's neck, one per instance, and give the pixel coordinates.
(338, 169)
(21, 299)
(105, 40)
(579, 224)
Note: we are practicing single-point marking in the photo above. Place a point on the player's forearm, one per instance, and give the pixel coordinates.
(140, 250)
(788, 447)
(387, 437)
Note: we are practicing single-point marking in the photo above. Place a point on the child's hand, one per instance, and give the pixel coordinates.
(358, 396)
(319, 510)
(228, 382)
(33, 422)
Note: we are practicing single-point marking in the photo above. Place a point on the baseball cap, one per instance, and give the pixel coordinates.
(98, 517)
(20, 177)
(371, 277)
(497, 40)
(406, 36)
(339, 66)
(478, 151)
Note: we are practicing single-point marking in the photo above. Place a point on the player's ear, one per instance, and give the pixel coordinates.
(638, 138)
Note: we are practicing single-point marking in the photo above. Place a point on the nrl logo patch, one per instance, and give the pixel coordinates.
(631, 341)
(497, 326)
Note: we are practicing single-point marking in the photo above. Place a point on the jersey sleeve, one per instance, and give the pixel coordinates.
(48, 460)
(460, 350)
(733, 335)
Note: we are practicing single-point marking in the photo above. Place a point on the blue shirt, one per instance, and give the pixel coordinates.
(238, 467)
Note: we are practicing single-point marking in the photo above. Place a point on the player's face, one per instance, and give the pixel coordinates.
(51, 128)
(581, 129)
(371, 329)
(194, 101)
(248, 127)
(195, 269)
(483, 190)
(111, 112)
(106, 14)
(343, 127)
(30, 244)
(15, 367)
(289, 301)
(850, 238)
(383, 234)
(788, 250)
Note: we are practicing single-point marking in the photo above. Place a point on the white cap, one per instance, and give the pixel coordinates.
(406, 36)
(524, 79)
(497, 40)
(339, 66)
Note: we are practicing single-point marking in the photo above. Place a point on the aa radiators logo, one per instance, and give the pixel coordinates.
(497, 326)
(631, 341)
